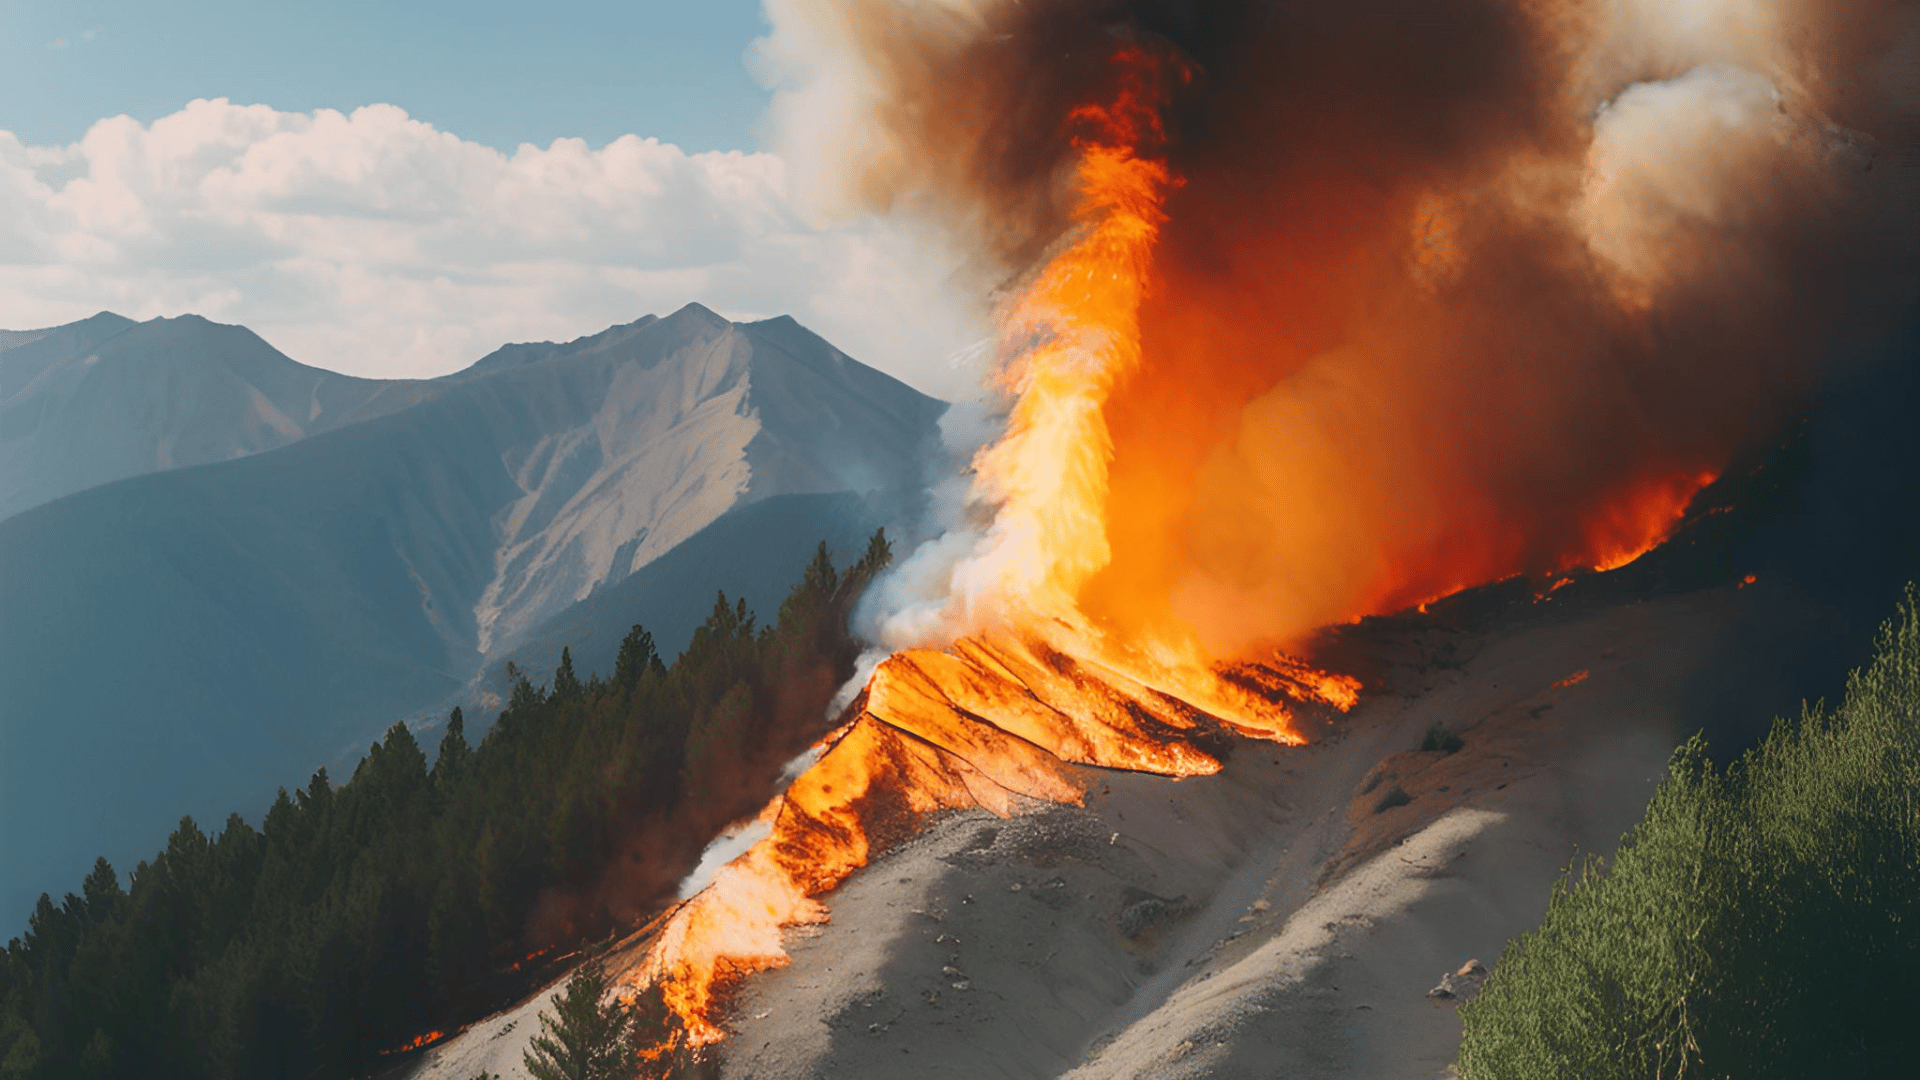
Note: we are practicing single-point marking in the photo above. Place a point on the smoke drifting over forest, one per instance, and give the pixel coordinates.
(1445, 291)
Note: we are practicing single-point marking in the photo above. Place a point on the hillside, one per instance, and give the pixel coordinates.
(1289, 915)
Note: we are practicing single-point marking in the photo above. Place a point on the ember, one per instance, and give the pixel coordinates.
(415, 1043)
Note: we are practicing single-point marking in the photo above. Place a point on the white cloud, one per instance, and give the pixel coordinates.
(375, 244)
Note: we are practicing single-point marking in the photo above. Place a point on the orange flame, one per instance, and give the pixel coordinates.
(1047, 658)
(415, 1043)
(996, 723)
(1047, 477)
(529, 958)
(1027, 686)
(1636, 524)
(1574, 679)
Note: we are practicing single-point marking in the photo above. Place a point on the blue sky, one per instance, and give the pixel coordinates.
(491, 72)
(397, 188)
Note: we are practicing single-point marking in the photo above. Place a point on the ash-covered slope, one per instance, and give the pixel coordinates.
(107, 398)
(186, 641)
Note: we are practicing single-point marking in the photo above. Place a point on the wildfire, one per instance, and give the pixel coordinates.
(529, 958)
(995, 722)
(1636, 524)
(1073, 334)
(1026, 686)
(1202, 462)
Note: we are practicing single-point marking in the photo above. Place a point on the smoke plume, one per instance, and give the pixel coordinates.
(1446, 290)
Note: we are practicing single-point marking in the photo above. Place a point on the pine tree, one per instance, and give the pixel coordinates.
(566, 685)
(879, 553)
(451, 766)
(820, 574)
(102, 891)
(637, 657)
(587, 1038)
(19, 1049)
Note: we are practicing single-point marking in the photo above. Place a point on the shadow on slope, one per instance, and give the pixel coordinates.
(748, 553)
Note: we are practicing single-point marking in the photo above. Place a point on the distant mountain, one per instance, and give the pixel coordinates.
(753, 553)
(624, 448)
(520, 355)
(184, 641)
(107, 398)
(11, 338)
(20, 368)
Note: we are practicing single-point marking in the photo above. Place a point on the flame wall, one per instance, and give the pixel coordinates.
(1445, 290)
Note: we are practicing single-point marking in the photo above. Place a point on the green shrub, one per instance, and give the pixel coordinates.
(1761, 922)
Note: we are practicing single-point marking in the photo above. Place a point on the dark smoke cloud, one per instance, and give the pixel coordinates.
(1451, 289)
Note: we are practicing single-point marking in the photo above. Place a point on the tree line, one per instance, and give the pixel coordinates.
(1762, 921)
(417, 895)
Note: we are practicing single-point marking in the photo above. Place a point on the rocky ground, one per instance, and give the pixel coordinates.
(1284, 918)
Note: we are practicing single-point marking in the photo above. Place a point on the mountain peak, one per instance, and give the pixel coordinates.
(190, 318)
(31, 354)
(520, 354)
(697, 312)
(85, 404)
(103, 320)
(96, 322)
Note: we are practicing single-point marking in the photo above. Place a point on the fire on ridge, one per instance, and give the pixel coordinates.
(995, 723)
(1315, 315)
(996, 719)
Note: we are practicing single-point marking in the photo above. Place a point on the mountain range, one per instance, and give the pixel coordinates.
(220, 568)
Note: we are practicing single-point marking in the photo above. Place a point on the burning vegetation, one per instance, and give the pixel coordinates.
(361, 921)
(1310, 312)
